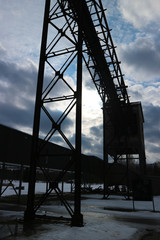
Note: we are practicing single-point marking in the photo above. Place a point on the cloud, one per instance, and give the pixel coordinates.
(46, 124)
(92, 141)
(152, 123)
(139, 48)
(91, 146)
(148, 94)
(2, 50)
(21, 27)
(140, 13)
(59, 141)
(97, 131)
(152, 132)
(13, 116)
(141, 59)
(18, 83)
(17, 93)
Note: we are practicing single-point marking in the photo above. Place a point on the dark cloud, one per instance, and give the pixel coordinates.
(87, 142)
(17, 96)
(17, 93)
(92, 146)
(12, 116)
(46, 124)
(18, 84)
(59, 141)
(97, 131)
(16, 74)
(152, 124)
(143, 57)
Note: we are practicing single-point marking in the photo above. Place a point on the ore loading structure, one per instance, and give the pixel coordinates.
(76, 33)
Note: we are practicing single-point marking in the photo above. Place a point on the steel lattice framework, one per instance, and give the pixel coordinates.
(74, 31)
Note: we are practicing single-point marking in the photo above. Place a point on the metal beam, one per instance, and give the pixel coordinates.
(77, 219)
(29, 213)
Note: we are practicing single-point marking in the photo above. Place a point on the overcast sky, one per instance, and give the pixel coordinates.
(136, 33)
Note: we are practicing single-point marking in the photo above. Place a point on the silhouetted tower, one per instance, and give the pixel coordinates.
(73, 30)
(56, 42)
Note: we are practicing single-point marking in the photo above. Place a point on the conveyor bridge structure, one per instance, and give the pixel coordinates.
(75, 32)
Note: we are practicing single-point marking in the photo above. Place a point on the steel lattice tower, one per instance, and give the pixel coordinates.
(74, 32)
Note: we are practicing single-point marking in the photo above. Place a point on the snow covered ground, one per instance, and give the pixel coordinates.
(40, 187)
(103, 220)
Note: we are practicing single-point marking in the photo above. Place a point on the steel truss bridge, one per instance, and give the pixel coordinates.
(75, 32)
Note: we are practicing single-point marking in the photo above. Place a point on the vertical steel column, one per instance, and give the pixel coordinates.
(20, 182)
(77, 219)
(127, 163)
(2, 178)
(142, 159)
(105, 154)
(29, 213)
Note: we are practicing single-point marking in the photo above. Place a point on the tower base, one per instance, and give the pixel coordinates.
(77, 220)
